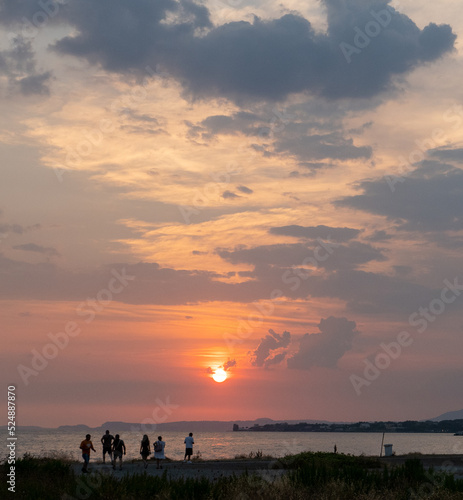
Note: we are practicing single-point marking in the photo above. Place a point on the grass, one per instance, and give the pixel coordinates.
(258, 455)
(322, 476)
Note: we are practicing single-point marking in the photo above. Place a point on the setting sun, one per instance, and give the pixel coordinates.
(220, 375)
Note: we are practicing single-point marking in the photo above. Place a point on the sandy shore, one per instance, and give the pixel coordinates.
(223, 468)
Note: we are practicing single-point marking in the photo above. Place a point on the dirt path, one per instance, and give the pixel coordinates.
(224, 468)
(210, 469)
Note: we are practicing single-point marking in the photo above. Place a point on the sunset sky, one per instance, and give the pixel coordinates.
(270, 188)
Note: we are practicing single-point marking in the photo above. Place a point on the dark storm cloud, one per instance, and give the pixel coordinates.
(327, 347)
(428, 199)
(338, 234)
(263, 59)
(264, 355)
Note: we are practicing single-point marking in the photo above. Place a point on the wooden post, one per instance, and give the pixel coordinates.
(381, 452)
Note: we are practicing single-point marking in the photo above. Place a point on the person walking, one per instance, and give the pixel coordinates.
(118, 450)
(107, 441)
(159, 446)
(145, 450)
(189, 441)
(86, 445)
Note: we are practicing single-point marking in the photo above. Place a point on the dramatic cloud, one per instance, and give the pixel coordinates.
(427, 199)
(265, 354)
(263, 60)
(327, 347)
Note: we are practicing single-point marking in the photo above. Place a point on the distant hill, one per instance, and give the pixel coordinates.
(190, 426)
(186, 426)
(450, 415)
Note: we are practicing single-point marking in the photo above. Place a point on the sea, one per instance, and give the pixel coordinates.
(228, 445)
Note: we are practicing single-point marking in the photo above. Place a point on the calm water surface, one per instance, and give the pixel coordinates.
(217, 445)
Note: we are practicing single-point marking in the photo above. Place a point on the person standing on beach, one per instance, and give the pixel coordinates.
(159, 446)
(107, 441)
(189, 441)
(145, 450)
(86, 445)
(118, 450)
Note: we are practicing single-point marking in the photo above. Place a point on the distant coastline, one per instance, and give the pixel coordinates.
(447, 422)
(411, 426)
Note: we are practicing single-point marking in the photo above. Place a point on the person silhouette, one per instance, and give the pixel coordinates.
(118, 450)
(159, 446)
(86, 445)
(145, 450)
(107, 441)
(189, 441)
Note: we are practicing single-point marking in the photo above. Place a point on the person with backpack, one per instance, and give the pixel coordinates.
(159, 446)
(145, 450)
(118, 450)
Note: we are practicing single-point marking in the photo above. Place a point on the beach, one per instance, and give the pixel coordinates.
(210, 469)
(268, 469)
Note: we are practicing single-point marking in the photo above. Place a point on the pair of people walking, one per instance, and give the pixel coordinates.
(114, 446)
(145, 451)
(159, 445)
